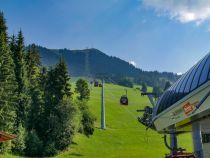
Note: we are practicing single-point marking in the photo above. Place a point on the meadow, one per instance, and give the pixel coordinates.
(124, 136)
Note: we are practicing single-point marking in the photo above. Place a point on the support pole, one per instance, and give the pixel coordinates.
(103, 121)
(197, 139)
(173, 141)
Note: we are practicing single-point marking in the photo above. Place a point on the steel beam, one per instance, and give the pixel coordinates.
(197, 139)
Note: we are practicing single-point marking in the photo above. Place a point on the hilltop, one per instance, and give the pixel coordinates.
(93, 63)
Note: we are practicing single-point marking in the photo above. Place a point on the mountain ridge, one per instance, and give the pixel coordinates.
(92, 62)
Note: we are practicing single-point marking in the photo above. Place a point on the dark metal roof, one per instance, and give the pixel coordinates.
(191, 80)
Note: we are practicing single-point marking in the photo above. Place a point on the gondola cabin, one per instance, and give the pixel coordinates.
(96, 84)
(185, 107)
(124, 100)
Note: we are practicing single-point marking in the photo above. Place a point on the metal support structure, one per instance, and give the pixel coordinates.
(197, 139)
(87, 64)
(173, 141)
(151, 100)
(126, 92)
(103, 121)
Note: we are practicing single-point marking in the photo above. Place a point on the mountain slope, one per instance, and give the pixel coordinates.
(124, 136)
(92, 62)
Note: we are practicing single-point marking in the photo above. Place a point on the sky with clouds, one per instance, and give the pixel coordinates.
(163, 35)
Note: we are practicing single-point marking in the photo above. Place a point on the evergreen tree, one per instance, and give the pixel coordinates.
(144, 87)
(157, 90)
(23, 98)
(63, 80)
(3, 27)
(7, 84)
(33, 63)
(82, 89)
(87, 120)
(21, 79)
(60, 112)
(33, 66)
(167, 85)
(18, 146)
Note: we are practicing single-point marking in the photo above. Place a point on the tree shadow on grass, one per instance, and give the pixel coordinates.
(76, 154)
(74, 143)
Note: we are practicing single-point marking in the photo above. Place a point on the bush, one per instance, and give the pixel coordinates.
(144, 87)
(83, 89)
(87, 119)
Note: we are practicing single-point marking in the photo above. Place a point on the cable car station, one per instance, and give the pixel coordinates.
(185, 107)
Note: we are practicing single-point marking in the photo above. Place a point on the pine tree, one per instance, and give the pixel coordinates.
(23, 98)
(12, 45)
(144, 87)
(167, 85)
(7, 83)
(82, 89)
(3, 27)
(21, 79)
(62, 79)
(33, 65)
(57, 84)
(59, 118)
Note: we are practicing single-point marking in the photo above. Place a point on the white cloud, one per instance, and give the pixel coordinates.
(179, 73)
(184, 11)
(132, 63)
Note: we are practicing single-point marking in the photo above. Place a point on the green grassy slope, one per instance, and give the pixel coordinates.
(124, 136)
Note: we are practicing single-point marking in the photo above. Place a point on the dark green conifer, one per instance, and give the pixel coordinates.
(59, 119)
(144, 87)
(33, 63)
(21, 79)
(33, 66)
(3, 27)
(82, 89)
(7, 84)
(167, 85)
(62, 80)
(23, 97)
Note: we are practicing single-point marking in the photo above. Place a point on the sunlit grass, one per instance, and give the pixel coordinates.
(124, 136)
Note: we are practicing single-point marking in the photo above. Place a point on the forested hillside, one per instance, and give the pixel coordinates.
(93, 63)
(36, 102)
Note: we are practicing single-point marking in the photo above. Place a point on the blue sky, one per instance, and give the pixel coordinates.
(163, 35)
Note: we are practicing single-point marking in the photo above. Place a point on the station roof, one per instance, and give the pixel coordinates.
(5, 137)
(188, 82)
